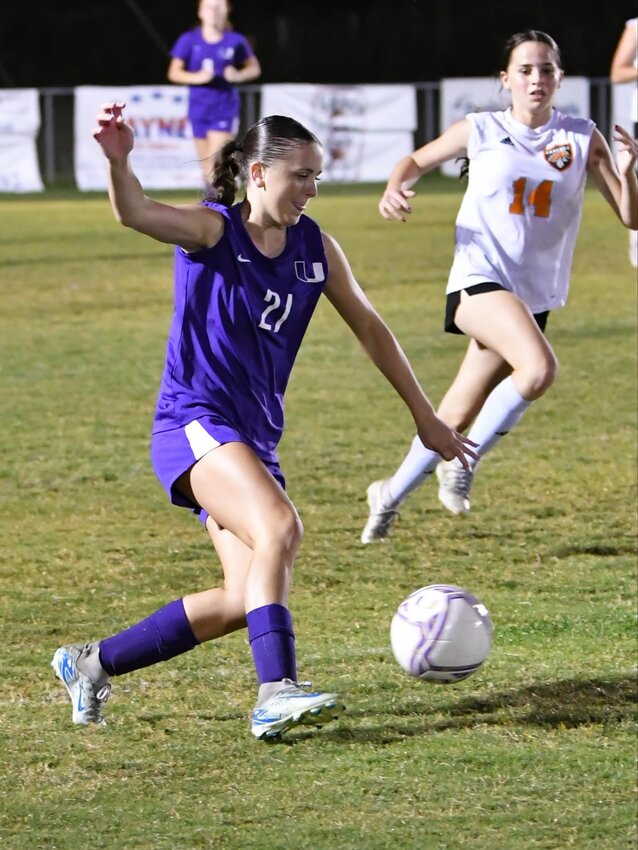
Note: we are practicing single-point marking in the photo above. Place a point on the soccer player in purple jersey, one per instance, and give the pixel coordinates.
(211, 59)
(247, 279)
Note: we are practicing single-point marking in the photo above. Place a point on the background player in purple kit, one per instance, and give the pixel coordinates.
(210, 59)
(247, 280)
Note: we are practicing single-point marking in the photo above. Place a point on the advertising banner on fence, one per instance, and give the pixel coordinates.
(164, 156)
(19, 127)
(364, 129)
(477, 94)
(624, 105)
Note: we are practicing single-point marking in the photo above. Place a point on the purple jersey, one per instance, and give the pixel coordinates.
(232, 49)
(238, 323)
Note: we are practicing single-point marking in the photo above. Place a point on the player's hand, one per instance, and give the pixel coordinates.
(205, 74)
(627, 149)
(112, 133)
(395, 205)
(447, 442)
(232, 74)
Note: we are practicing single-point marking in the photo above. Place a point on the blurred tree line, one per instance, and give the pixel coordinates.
(120, 42)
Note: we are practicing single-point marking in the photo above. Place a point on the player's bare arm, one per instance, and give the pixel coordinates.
(395, 202)
(178, 74)
(616, 180)
(623, 64)
(192, 226)
(250, 70)
(380, 344)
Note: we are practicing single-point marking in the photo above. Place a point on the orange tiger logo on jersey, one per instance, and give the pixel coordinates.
(560, 157)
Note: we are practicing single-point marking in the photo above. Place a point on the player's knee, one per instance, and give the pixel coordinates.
(541, 375)
(548, 371)
(285, 530)
(294, 531)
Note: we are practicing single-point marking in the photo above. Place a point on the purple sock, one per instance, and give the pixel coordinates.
(163, 635)
(272, 641)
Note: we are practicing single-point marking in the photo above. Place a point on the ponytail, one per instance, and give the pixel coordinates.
(225, 173)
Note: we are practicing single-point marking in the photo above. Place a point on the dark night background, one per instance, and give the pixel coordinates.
(120, 42)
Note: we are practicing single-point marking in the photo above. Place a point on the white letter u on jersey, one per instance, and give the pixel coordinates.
(317, 272)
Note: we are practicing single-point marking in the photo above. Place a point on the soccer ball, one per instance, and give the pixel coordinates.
(441, 633)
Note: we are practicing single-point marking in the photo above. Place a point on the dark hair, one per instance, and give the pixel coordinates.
(519, 38)
(509, 47)
(268, 141)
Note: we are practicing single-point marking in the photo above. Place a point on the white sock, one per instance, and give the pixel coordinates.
(503, 408)
(417, 465)
(267, 690)
(89, 664)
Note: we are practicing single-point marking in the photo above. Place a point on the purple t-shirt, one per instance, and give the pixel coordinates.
(237, 326)
(232, 49)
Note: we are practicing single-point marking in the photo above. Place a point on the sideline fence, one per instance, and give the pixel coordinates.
(55, 140)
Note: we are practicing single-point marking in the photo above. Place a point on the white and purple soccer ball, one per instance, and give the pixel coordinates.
(441, 633)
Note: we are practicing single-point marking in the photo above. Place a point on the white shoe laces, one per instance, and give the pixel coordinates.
(380, 519)
(96, 698)
(459, 480)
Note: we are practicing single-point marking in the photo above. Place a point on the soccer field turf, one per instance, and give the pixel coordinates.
(535, 751)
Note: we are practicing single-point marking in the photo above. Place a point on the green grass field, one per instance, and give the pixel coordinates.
(536, 750)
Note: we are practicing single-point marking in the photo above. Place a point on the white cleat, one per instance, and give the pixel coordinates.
(455, 483)
(87, 697)
(290, 705)
(381, 517)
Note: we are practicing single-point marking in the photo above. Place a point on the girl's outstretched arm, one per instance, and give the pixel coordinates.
(192, 226)
(616, 181)
(382, 347)
(395, 202)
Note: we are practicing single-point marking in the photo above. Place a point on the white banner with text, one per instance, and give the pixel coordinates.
(364, 130)
(624, 106)
(19, 128)
(164, 156)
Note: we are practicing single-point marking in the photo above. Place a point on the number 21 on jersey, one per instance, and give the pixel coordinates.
(539, 198)
(273, 323)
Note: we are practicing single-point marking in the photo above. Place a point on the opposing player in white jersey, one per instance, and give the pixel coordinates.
(514, 241)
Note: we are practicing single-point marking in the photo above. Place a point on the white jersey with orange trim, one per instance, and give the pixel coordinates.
(520, 215)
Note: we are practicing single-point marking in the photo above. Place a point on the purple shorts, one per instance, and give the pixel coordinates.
(174, 452)
(214, 111)
(220, 125)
